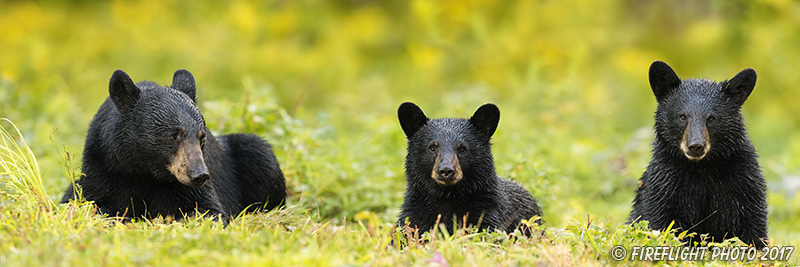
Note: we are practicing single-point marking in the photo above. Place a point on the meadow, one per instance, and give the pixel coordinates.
(322, 81)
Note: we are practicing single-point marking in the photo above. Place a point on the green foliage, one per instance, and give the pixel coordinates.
(322, 80)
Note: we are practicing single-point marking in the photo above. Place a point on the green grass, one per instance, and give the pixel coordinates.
(322, 81)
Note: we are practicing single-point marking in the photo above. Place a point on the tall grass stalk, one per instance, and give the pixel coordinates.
(20, 170)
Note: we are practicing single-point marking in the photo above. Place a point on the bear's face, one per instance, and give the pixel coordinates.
(448, 150)
(440, 146)
(163, 132)
(699, 118)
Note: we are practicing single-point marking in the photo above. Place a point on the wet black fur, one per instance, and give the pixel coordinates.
(128, 148)
(495, 202)
(723, 194)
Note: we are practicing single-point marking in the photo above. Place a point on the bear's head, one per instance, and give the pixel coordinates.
(160, 130)
(699, 118)
(449, 152)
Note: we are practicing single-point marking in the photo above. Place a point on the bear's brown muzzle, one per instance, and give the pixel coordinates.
(188, 165)
(447, 169)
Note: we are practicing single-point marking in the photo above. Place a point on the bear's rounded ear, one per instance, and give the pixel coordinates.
(663, 80)
(123, 91)
(740, 86)
(184, 82)
(486, 119)
(411, 118)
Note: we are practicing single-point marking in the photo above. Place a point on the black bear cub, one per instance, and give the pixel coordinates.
(450, 173)
(148, 153)
(704, 175)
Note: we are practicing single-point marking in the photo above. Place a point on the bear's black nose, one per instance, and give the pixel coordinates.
(200, 179)
(446, 174)
(696, 150)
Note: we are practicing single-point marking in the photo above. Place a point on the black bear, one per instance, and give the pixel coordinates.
(148, 153)
(450, 173)
(704, 175)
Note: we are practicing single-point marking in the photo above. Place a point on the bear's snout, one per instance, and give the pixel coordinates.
(189, 166)
(447, 169)
(696, 142)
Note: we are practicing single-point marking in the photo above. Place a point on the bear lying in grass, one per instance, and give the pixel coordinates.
(148, 153)
(704, 175)
(451, 177)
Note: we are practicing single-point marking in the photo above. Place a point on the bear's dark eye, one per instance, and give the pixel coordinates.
(175, 135)
(711, 118)
(433, 147)
(461, 148)
(682, 117)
